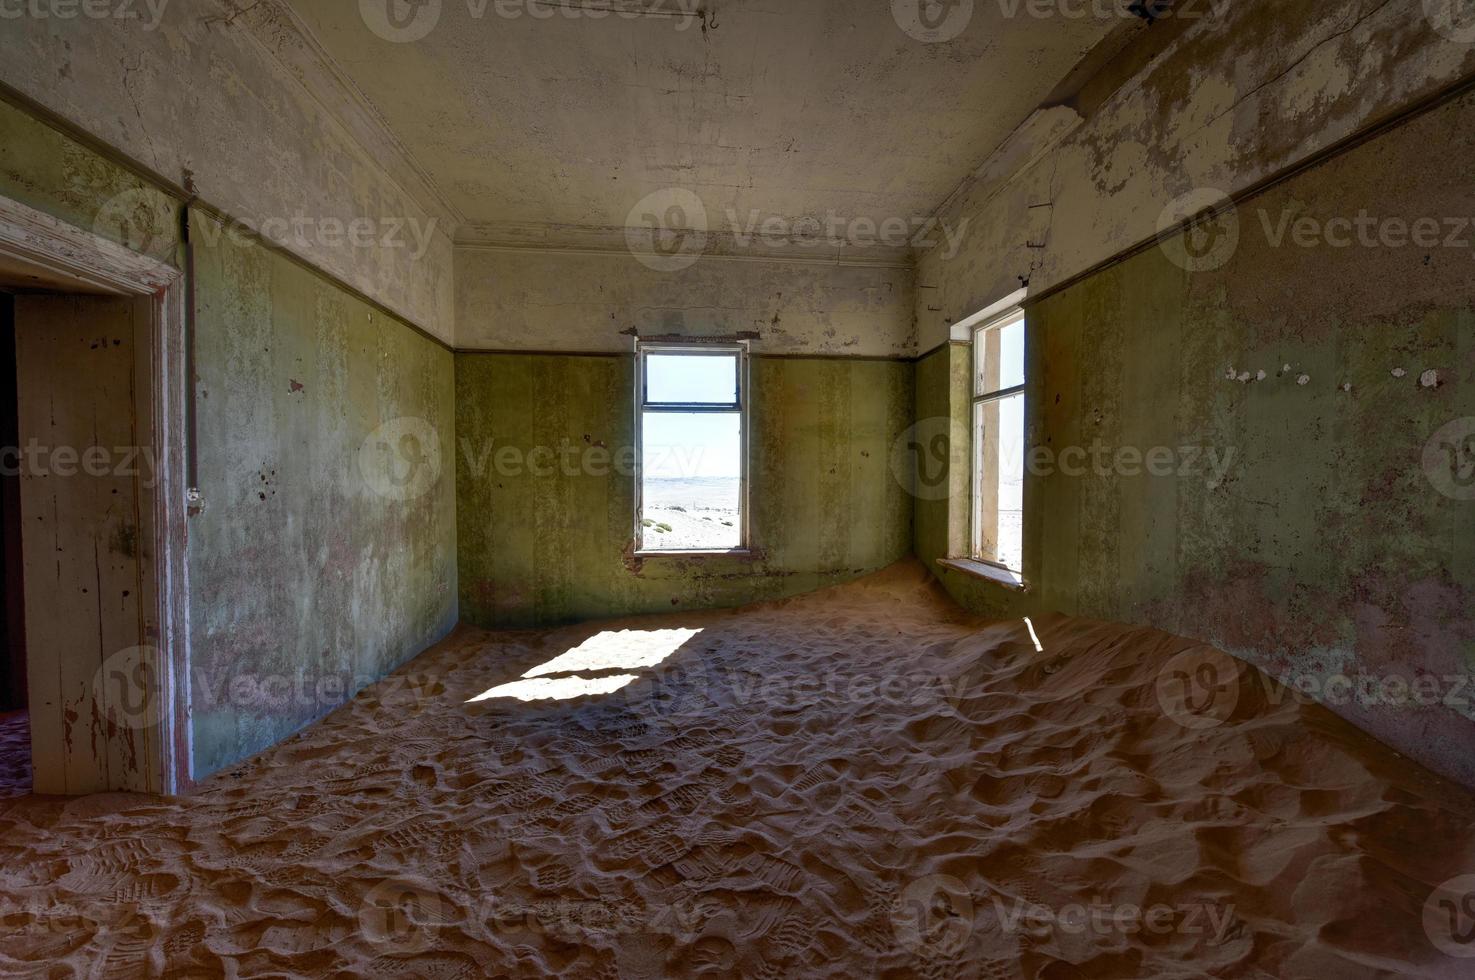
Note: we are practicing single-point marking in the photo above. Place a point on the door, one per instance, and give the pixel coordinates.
(85, 480)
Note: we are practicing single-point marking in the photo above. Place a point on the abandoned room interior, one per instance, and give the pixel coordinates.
(737, 488)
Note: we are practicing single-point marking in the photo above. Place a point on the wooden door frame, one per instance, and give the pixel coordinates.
(41, 239)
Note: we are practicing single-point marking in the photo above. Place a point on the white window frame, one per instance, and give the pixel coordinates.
(739, 407)
(975, 529)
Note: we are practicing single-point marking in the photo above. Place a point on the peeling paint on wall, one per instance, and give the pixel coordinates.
(302, 572)
(1246, 92)
(50, 172)
(1337, 541)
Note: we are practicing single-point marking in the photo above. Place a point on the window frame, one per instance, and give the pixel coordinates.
(740, 407)
(977, 399)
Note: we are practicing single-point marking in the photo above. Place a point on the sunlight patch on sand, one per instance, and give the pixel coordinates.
(609, 650)
(862, 782)
(617, 650)
(555, 688)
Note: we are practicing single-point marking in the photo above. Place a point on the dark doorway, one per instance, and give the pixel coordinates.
(12, 610)
(15, 742)
(92, 512)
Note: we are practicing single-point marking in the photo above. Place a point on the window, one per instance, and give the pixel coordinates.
(998, 441)
(693, 430)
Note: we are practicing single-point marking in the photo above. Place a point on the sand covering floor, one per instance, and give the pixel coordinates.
(855, 783)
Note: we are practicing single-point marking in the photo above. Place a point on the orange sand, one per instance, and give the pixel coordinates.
(754, 806)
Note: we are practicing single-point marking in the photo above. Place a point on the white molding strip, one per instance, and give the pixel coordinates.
(71, 252)
(963, 329)
(281, 33)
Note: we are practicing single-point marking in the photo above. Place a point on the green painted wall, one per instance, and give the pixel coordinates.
(940, 453)
(825, 506)
(1326, 548)
(326, 552)
(306, 580)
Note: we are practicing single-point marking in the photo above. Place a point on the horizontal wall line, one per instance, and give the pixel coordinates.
(907, 264)
(897, 358)
(504, 352)
(211, 211)
(508, 352)
(938, 349)
(188, 199)
(1367, 134)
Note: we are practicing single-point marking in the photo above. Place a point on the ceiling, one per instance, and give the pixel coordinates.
(785, 109)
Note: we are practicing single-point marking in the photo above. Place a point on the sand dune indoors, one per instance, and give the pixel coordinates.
(858, 782)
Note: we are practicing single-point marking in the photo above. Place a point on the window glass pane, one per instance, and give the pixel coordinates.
(985, 480)
(998, 357)
(998, 492)
(691, 379)
(691, 481)
(1011, 354)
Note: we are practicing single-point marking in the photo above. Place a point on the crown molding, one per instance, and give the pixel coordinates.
(276, 27)
(1042, 131)
(597, 240)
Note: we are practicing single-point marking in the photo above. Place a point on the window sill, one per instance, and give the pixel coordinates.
(735, 553)
(986, 571)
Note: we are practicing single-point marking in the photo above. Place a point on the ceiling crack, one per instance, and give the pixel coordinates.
(1294, 64)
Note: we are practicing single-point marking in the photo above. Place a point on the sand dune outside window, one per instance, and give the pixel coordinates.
(693, 435)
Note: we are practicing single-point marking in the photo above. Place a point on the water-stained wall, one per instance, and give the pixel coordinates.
(45, 169)
(229, 102)
(1267, 440)
(325, 554)
(551, 548)
(1215, 99)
